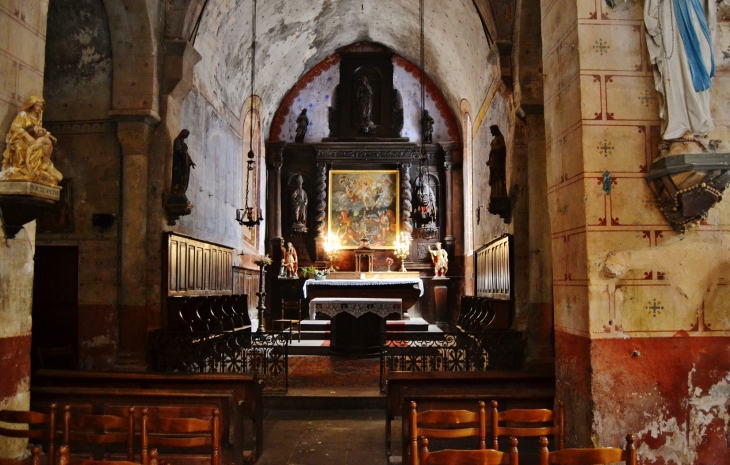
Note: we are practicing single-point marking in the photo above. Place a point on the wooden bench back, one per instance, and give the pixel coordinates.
(468, 457)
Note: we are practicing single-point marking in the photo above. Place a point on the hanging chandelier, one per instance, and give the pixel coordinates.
(426, 196)
(250, 216)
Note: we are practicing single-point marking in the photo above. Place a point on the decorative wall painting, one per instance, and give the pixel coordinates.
(364, 204)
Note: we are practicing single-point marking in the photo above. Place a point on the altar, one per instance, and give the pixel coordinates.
(407, 287)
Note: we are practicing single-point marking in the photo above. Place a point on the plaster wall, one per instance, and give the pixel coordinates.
(623, 280)
(78, 90)
(294, 37)
(316, 93)
(22, 44)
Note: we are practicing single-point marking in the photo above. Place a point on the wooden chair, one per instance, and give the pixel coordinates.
(180, 433)
(291, 306)
(469, 457)
(596, 456)
(528, 423)
(99, 429)
(40, 426)
(64, 458)
(446, 424)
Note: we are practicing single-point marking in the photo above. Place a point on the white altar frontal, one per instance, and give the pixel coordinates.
(357, 307)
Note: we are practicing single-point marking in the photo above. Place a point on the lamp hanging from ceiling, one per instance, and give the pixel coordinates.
(250, 216)
(426, 196)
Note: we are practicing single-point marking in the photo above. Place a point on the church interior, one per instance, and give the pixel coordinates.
(450, 202)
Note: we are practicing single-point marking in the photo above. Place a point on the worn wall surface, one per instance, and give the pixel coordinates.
(22, 43)
(316, 93)
(293, 37)
(78, 90)
(641, 321)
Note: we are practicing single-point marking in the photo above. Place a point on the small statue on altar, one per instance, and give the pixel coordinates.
(289, 261)
(427, 123)
(440, 260)
(299, 201)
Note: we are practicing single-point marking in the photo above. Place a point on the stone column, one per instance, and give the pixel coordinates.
(448, 148)
(275, 155)
(135, 131)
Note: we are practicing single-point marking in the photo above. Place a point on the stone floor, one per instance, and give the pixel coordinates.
(324, 437)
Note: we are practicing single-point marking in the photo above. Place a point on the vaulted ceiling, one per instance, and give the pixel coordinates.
(293, 36)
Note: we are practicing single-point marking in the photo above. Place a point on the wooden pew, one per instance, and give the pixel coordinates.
(462, 390)
(246, 388)
(235, 395)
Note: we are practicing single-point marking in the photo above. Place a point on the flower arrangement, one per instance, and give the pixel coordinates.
(321, 273)
(263, 260)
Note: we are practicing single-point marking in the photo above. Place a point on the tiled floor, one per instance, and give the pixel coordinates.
(324, 437)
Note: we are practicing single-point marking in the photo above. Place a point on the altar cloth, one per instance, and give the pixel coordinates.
(362, 282)
(356, 307)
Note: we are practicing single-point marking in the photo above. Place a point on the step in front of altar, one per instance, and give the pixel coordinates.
(316, 334)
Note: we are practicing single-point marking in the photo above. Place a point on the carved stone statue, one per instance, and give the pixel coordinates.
(302, 124)
(497, 164)
(181, 164)
(397, 114)
(29, 147)
(289, 261)
(365, 101)
(299, 203)
(427, 123)
(680, 46)
(440, 260)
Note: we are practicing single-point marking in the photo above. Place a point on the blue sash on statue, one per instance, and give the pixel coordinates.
(698, 70)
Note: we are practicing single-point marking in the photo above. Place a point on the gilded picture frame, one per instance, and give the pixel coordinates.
(364, 204)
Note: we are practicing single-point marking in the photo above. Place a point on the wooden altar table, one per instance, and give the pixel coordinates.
(356, 322)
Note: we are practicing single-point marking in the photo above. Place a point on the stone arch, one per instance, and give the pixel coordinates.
(135, 63)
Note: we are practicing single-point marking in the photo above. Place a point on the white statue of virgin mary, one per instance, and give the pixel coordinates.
(679, 37)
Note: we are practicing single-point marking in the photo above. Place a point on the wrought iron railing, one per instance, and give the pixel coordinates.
(451, 351)
(263, 354)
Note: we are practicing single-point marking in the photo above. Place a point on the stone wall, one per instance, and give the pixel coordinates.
(22, 45)
(78, 90)
(640, 310)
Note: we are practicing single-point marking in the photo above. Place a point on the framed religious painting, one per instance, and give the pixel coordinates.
(364, 204)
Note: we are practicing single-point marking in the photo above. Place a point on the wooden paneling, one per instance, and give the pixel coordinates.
(196, 267)
(246, 282)
(495, 269)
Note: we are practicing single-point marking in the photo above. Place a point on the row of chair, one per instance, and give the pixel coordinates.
(475, 315)
(594, 456)
(449, 424)
(213, 314)
(92, 431)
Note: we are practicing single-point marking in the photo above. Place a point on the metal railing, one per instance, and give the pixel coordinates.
(450, 351)
(264, 354)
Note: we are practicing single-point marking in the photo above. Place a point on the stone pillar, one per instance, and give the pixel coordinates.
(135, 133)
(449, 201)
(24, 64)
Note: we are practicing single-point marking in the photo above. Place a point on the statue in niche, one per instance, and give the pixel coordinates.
(29, 147)
(302, 124)
(440, 260)
(289, 261)
(427, 123)
(397, 116)
(299, 201)
(365, 101)
(497, 164)
(678, 36)
(181, 164)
